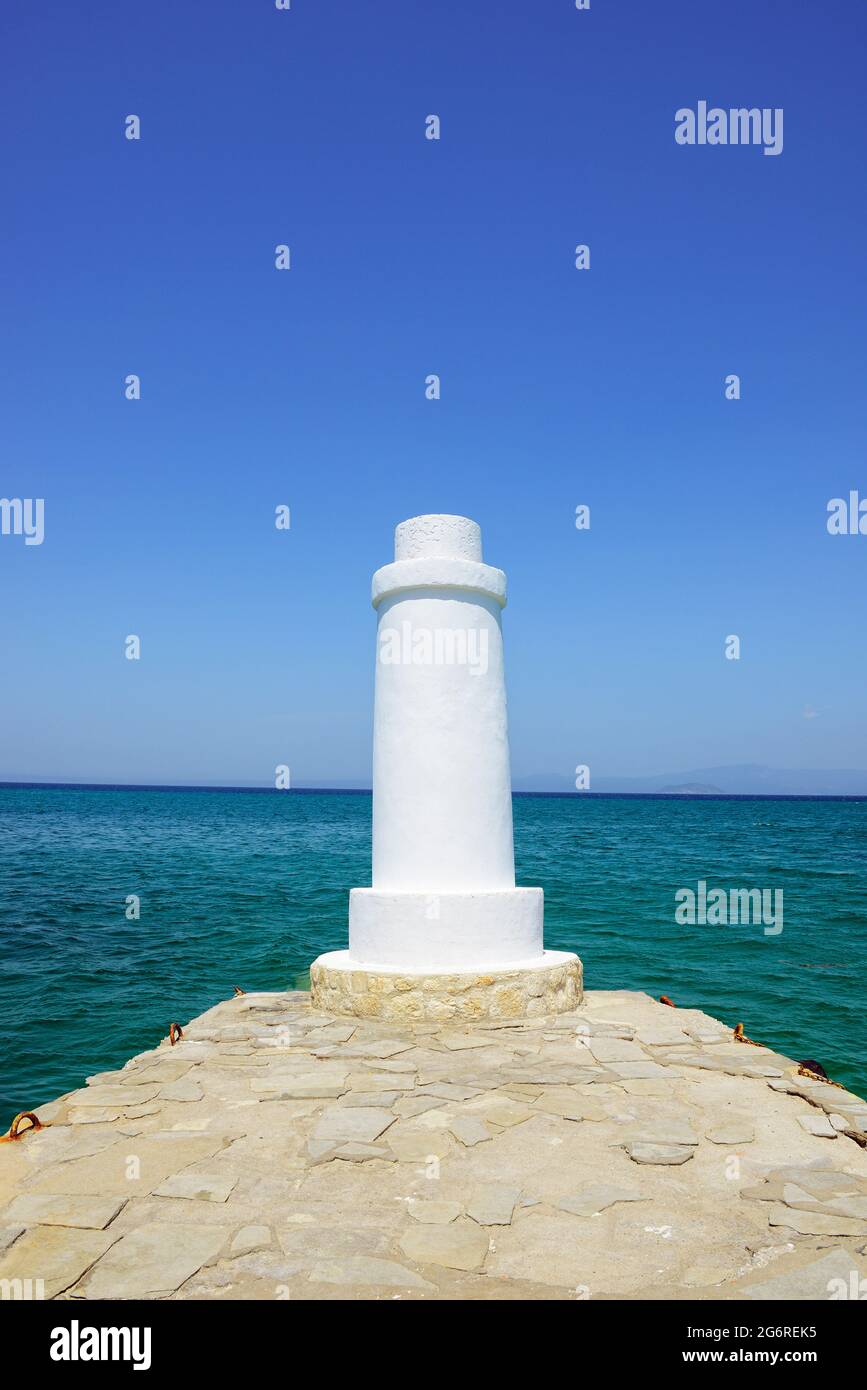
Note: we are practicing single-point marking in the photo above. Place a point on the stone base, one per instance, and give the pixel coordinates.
(551, 984)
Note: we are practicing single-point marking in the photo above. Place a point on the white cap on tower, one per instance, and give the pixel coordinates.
(454, 536)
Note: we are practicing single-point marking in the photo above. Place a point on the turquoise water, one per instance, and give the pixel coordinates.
(247, 888)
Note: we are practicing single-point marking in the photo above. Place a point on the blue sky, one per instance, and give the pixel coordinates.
(410, 257)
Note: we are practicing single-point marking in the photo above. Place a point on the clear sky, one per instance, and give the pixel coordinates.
(408, 257)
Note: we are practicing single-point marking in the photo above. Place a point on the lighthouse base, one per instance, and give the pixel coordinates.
(548, 984)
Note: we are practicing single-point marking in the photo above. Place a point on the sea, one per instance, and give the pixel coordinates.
(123, 910)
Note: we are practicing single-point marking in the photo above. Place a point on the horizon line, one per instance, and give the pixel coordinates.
(368, 791)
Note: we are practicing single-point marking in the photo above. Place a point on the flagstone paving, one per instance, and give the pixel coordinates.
(625, 1150)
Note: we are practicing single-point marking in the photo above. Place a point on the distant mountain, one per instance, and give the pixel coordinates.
(745, 779)
(692, 789)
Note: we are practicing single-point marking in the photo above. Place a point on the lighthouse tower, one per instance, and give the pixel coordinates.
(443, 932)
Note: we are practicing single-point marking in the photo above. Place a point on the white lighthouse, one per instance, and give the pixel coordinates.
(443, 932)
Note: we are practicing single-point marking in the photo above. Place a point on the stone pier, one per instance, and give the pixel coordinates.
(620, 1150)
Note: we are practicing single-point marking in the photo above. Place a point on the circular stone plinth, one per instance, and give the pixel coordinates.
(552, 984)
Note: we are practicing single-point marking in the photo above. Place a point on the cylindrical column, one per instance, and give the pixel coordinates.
(443, 895)
(442, 807)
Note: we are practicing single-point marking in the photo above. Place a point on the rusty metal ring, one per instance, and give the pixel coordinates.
(176, 1032)
(15, 1131)
(740, 1036)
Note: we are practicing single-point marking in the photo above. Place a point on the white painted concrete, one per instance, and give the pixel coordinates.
(443, 896)
(445, 931)
(345, 960)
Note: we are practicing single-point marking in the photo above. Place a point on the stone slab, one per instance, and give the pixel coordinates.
(86, 1213)
(50, 1259)
(461, 1245)
(154, 1260)
(203, 1187)
(493, 1205)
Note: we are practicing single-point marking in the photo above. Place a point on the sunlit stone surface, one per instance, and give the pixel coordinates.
(623, 1149)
